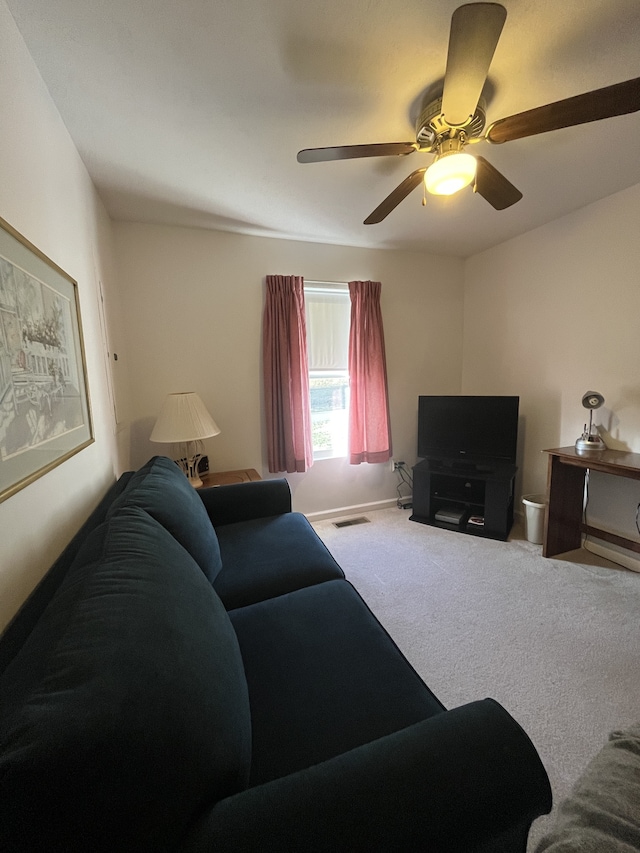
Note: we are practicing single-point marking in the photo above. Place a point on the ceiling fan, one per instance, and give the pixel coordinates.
(447, 125)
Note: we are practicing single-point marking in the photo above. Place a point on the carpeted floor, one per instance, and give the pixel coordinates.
(556, 641)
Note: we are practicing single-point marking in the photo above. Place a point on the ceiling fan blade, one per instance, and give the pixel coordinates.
(494, 187)
(475, 30)
(616, 100)
(394, 198)
(350, 152)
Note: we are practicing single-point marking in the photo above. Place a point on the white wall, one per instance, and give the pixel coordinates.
(193, 304)
(46, 195)
(552, 314)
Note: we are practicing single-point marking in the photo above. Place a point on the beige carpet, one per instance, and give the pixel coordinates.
(556, 641)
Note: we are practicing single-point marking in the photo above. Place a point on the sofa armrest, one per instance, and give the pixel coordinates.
(245, 501)
(454, 782)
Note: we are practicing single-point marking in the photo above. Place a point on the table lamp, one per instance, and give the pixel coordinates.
(183, 422)
(590, 441)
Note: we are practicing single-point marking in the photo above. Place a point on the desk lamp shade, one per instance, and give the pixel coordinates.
(588, 441)
(183, 422)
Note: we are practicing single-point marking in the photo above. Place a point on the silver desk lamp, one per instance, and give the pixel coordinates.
(590, 441)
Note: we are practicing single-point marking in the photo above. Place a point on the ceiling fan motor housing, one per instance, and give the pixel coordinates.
(431, 124)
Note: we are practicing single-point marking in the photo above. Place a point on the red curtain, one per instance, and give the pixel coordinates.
(369, 423)
(286, 376)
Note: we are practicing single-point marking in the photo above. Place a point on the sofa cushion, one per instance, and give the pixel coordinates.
(126, 711)
(160, 488)
(18, 629)
(271, 556)
(324, 677)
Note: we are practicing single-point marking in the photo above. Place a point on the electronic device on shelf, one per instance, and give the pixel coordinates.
(451, 515)
(478, 432)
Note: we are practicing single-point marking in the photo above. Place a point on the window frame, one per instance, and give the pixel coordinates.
(342, 451)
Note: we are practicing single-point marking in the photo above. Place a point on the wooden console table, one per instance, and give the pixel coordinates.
(564, 522)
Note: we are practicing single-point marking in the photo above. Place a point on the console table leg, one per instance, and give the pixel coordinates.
(564, 514)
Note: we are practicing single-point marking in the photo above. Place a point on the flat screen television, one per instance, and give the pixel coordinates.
(475, 431)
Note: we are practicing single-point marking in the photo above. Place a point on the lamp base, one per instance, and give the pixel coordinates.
(590, 444)
(187, 456)
(190, 469)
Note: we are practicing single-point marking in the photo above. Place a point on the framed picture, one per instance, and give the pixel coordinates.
(45, 414)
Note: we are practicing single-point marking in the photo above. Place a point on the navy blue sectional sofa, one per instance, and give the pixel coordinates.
(195, 674)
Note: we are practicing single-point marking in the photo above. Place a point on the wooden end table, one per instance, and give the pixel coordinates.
(227, 478)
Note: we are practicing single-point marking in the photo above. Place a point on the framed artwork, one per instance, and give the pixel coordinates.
(45, 414)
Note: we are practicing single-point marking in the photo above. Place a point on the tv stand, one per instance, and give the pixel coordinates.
(471, 493)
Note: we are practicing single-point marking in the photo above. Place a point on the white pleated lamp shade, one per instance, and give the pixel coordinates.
(183, 417)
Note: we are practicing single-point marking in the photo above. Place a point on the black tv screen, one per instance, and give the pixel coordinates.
(477, 430)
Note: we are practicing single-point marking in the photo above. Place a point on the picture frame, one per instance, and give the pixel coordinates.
(45, 412)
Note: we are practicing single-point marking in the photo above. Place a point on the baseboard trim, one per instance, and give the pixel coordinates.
(356, 509)
(625, 560)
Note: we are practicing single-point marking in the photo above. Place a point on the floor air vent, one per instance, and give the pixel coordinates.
(349, 522)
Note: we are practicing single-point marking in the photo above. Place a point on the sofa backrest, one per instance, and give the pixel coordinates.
(161, 489)
(26, 618)
(126, 710)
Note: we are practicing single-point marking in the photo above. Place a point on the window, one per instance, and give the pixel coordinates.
(343, 331)
(328, 309)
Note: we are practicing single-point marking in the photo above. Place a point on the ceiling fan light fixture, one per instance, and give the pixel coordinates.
(450, 171)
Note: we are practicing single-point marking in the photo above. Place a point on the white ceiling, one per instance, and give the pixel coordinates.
(191, 112)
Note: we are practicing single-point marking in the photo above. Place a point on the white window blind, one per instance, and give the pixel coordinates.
(328, 311)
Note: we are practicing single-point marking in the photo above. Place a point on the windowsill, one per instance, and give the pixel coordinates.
(322, 457)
